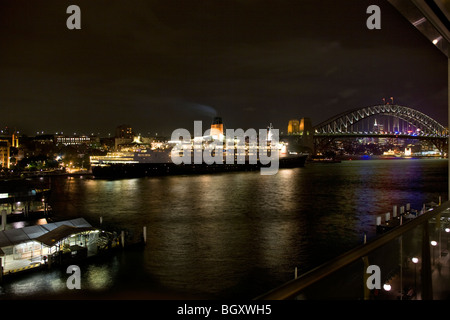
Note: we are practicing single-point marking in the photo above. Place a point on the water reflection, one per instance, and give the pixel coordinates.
(240, 234)
(52, 284)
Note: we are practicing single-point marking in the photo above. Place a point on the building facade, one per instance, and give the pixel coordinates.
(124, 132)
(76, 140)
(5, 147)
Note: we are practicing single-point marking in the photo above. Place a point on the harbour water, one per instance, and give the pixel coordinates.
(230, 235)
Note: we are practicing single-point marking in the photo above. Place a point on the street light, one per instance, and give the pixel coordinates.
(415, 261)
(434, 244)
(387, 287)
(447, 230)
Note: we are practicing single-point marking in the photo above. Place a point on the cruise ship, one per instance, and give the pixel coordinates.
(139, 160)
(147, 162)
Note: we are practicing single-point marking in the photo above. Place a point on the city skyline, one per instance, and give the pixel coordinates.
(161, 65)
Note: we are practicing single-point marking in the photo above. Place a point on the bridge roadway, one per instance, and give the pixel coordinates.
(381, 135)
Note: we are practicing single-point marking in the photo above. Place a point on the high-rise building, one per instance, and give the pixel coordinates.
(375, 126)
(124, 132)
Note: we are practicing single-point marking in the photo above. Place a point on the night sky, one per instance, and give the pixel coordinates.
(160, 65)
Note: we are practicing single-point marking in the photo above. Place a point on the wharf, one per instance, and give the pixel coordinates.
(56, 244)
(406, 214)
(25, 205)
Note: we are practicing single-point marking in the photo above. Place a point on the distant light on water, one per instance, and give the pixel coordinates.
(236, 234)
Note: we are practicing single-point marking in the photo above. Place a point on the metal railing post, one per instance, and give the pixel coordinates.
(425, 272)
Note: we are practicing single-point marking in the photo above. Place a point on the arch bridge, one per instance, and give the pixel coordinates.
(416, 125)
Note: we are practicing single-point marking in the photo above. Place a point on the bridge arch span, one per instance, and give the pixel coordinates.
(342, 122)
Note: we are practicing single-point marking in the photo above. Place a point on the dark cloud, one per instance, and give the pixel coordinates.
(160, 65)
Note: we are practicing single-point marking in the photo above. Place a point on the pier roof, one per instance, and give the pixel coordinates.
(52, 237)
(13, 237)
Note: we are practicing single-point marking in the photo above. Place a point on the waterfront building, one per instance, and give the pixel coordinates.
(34, 245)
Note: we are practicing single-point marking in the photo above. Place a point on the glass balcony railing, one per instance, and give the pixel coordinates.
(409, 262)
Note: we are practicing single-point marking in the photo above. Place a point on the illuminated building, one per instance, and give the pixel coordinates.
(14, 141)
(75, 140)
(302, 127)
(32, 246)
(124, 136)
(300, 135)
(408, 152)
(4, 153)
(124, 132)
(136, 143)
(305, 127)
